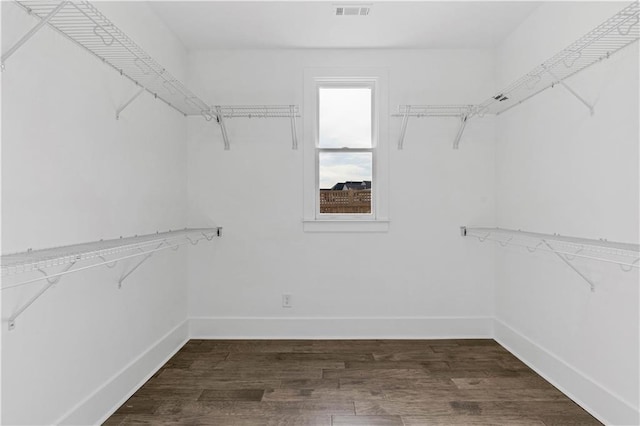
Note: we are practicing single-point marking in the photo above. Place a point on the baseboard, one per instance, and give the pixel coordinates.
(600, 402)
(108, 397)
(341, 328)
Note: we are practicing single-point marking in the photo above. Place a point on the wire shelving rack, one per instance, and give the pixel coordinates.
(79, 257)
(257, 111)
(625, 255)
(82, 23)
(608, 38)
(461, 112)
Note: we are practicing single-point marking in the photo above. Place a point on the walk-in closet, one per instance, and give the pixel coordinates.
(320, 213)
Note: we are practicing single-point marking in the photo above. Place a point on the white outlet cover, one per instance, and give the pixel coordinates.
(287, 301)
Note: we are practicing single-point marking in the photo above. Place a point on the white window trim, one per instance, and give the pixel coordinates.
(378, 221)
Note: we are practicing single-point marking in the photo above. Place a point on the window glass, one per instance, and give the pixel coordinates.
(344, 117)
(345, 180)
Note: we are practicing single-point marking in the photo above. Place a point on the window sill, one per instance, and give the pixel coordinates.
(319, 225)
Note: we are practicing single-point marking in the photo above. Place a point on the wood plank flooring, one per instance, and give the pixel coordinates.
(347, 382)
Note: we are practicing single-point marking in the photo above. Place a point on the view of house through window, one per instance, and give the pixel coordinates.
(345, 149)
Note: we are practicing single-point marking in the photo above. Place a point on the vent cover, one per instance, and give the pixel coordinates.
(351, 10)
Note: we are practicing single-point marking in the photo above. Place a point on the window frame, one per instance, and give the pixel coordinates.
(377, 220)
(321, 84)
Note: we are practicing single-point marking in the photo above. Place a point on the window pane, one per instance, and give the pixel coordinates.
(344, 119)
(345, 182)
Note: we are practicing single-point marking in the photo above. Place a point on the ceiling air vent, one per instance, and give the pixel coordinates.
(351, 10)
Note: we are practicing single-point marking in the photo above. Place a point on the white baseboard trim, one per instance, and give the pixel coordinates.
(341, 328)
(108, 397)
(600, 402)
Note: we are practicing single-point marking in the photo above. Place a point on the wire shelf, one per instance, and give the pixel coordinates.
(614, 34)
(623, 254)
(258, 111)
(34, 260)
(107, 253)
(86, 26)
(433, 110)
(462, 112)
(606, 39)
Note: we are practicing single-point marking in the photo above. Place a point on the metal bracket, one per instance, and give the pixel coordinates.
(126, 104)
(50, 283)
(144, 259)
(463, 124)
(294, 133)
(30, 34)
(220, 119)
(573, 92)
(403, 129)
(565, 260)
(140, 91)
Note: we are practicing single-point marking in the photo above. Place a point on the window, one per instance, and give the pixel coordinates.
(345, 151)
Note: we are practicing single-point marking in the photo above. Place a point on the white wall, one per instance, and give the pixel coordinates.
(419, 270)
(71, 173)
(560, 170)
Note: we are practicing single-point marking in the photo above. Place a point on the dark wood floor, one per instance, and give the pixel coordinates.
(348, 382)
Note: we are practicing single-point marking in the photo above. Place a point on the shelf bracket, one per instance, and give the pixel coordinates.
(50, 283)
(126, 104)
(403, 128)
(138, 93)
(463, 124)
(223, 128)
(294, 132)
(144, 259)
(30, 34)
(570, 90)
(565, 260)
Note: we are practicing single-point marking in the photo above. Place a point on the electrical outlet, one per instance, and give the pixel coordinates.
(286, 301)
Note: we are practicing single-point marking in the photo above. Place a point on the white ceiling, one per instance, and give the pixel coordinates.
(390, 24)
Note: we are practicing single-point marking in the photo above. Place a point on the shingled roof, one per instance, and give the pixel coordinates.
(353, 185)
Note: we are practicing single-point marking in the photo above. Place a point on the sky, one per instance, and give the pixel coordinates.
(344, 121)
(340, 167)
